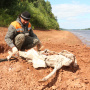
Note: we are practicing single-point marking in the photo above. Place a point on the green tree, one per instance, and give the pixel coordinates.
(40, 10)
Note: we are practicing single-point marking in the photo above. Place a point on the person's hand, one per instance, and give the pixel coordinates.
(39, 47)
(15, 51)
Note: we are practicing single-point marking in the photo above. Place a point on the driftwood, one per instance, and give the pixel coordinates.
(46, 58)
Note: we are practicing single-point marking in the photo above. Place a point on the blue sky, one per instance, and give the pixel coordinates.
(72, 14)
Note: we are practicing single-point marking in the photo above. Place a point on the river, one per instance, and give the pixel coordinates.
(83, 35)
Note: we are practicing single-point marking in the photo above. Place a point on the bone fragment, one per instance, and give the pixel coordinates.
(63, 58)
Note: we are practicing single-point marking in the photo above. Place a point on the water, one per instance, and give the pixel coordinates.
(83, 35)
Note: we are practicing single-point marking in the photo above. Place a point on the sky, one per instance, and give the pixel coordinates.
(71, 14)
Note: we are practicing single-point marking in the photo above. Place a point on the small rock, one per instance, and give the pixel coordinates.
(54, 87)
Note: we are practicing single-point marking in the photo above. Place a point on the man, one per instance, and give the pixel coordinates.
(20, 35)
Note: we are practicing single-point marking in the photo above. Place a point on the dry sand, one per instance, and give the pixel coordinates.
(20, 75)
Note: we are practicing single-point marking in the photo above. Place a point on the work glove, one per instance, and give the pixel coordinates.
(15, 51)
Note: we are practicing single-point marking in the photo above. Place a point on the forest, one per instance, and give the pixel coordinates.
(40, 10)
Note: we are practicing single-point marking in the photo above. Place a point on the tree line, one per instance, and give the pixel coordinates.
(40, 10)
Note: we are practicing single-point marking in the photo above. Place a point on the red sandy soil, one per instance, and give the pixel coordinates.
(20, 75)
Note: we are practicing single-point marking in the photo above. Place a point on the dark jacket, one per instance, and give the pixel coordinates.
(12, 33)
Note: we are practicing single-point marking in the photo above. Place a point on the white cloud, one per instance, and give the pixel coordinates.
(65, 11)
(75, 24)
(71, 16)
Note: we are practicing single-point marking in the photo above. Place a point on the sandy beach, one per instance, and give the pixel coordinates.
(20, 75)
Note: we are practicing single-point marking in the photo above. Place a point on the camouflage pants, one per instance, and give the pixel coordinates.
(25, 42)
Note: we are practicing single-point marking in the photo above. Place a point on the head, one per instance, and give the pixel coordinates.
(25, 17)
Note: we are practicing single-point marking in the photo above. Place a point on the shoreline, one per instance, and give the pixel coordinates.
(61, 38)
(81, 40)
(83, 36)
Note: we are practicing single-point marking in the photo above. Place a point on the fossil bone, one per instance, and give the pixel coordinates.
(63, 58)
(42, 59)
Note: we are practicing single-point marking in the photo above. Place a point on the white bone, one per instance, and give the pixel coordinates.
(63, 58)
(29, 54)
(38, 63)
(36, 60)
(57, 67)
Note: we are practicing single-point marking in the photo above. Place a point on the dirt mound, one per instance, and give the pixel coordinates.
(20, 75)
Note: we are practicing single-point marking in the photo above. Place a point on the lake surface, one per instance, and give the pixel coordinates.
(83, 35)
